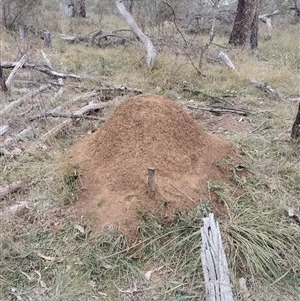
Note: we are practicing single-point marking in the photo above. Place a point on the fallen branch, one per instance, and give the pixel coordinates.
(221, 110)
(267, 88)
(15, 70)
(197, 92)
(54, 131)
(293, 215)
(10, 188)
(44, 69)
(3, 129)
(62, 115)
(20, 100)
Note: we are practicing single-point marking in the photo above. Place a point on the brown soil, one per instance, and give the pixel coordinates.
(146, 131)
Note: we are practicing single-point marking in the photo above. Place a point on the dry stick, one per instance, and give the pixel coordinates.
(54, 131)
(220, 110)
(184, 194)
(258, 128)
(208, 95)
(44, 69)
(48, 63)
(62, 115)
(20, 100)
(15, 70)
(211, 33)
(185, 41)
(3, 129)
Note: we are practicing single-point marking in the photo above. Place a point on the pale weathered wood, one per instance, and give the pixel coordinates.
(10, 188)
(266, 18)
(3, 129)
(48, 63)
(20, 100)
(227, 61)
(44, 69)
(214, 263)
(15, 70)
(151, 51)
(58, 128)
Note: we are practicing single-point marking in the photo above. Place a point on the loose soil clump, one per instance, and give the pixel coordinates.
(146, 131)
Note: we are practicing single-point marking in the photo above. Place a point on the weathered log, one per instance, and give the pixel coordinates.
(151, 52)
(48, 63)
(20, 100)
(15, 70)
(44, 69)
(64, 115)
(219, 110)
(214, 263)
(58, 128)
(296, 126)
(3, 129)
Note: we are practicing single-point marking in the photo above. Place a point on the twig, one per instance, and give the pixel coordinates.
(15, 70)
(62, 115)
(220, 110)
(44, 69)
(20, 100)
(196, 92)
(184, 194)
(184, 39)
(258, 128)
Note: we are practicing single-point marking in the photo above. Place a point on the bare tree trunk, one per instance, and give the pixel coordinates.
(245, 29)
(151, 52)
(296, 126)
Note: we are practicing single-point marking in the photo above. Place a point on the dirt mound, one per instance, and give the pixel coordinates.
(145, 131)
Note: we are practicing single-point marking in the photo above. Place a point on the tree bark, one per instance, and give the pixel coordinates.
(78, 8)
(245, 29)
(151, 52)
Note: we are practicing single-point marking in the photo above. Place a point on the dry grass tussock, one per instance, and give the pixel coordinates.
(48, 253)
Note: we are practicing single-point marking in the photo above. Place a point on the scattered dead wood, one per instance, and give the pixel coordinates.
(58, 128)
(244, 290)
(197, 92)
(221, 110)
(15, 70)
(214, 263)
(44, 69)
(63, 115)
(10, 188)
(296, 126)
(76, 39)
(20, 100)
(3, 129)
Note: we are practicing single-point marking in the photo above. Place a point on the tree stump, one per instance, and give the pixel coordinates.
(296, 126)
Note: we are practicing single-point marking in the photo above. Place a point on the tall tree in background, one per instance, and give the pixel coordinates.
(245, 28)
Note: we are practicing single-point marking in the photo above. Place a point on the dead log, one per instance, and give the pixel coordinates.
(15, 70)
(10, 188)
(151, 52)
(222, 110)
(296, 126)
(214, 263)
(20, 100)
(64, 115)
(44, 69)
(54, 131)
